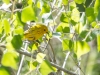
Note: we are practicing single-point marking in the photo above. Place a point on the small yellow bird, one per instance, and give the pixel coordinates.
(35, 32)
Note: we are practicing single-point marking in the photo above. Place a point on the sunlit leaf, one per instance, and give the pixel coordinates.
(45, 9)
(34, 47)
(9, 46)
(90, 14)
(46, 68)
(79, 1)
(18, 19)
(38, 4)
(98, 42)
(30, 2)
(17, 42)
(33, 65)
(65, 44)
(97, 6)
(9, 59)
(64, 17)
(81, 48)
(72, 5)
(6, 26)
(18, 30)
(93, 24)
(6, 1)
(28, 14)
(78, 28)
(4, 71)
(65, 2)
(1, 27)
(40, 57)
(63, 27)
(75, 16)
(87, 36)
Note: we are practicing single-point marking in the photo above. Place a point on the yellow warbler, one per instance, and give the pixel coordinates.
(35, 32)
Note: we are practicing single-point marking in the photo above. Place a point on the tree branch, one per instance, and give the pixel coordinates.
(54, 65)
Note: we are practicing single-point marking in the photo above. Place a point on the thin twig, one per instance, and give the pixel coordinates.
(22, 59)
(54, 65)
(67, 54)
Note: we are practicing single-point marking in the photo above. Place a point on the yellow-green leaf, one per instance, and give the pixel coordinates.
(80, 48)
(9, 59)
(6, 26)
(90, 14)
(78, 28)
(63, 27)
(46, 68)
(79, 1)
(1, 27)
(45, 9)
(19, 30)
(34, 47)
(33, 65)
(28, 14)
(75, 16)
(65, 2)
(97, 6)
(64, 18)
(65, 44)
(4, 71)
(40, 57)
(98, 42)
(6, 1)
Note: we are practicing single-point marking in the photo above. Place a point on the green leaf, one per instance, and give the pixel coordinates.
(6, 1)
(78, 28)
(9, 59)
(33, 65)
(88, 2)
(97, 6)
(6, 26)
(88, 37)
(18, 19)
(28, 14)
(45, 9)
(67, 44)
(80, 7)
(72, 5)
(4, 71)
(9, 46)
(93, 24)
(1, 27)
(79, 1)
(19, 30)
(63, 27)
(46, 68)
(17, 42)
(64, 18)
(65, 2)
(98, 42)
(81, 48)
(40, 57)
(75, 16)
(34, 47)
(90, 14)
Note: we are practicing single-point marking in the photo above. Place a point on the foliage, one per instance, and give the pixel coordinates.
(71, 23)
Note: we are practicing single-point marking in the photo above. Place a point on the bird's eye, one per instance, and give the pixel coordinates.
(44, 30)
